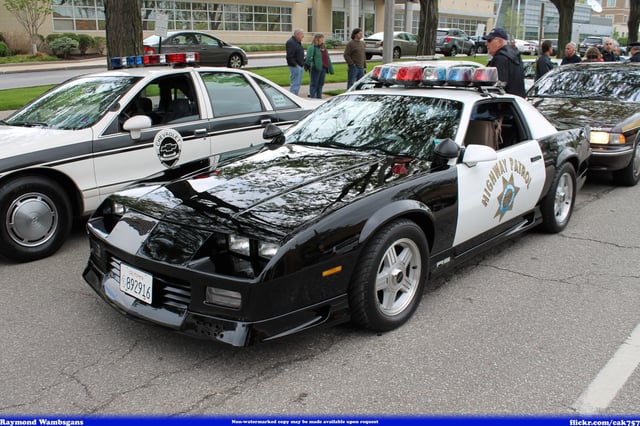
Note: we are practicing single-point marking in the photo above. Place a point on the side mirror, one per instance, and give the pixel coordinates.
(446, 150)
(474, 154)
(274, 133)
(135, 124)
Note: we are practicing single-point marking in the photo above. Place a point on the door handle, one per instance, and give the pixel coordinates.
(536, 158)
(264, 122)
(200, 132)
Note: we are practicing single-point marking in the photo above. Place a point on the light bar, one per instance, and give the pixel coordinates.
(434, 75)
(155, 59)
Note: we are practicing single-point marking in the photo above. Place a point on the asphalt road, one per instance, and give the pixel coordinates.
(526, 328)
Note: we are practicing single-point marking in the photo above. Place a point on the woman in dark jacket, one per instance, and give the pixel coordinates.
(319, 65)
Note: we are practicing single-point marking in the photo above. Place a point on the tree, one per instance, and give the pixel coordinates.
(565, 12)
(31, 15)
(634, 20)
(427, 29)
(123, 28)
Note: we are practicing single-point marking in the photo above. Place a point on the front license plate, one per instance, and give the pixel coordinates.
(136, 283)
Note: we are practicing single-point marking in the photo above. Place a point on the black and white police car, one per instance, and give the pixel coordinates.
(66, 151)
(344, 216)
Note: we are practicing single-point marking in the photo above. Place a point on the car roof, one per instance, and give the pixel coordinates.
(160, 70)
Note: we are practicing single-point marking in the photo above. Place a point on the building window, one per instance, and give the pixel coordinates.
(88, 15)
(611, 3)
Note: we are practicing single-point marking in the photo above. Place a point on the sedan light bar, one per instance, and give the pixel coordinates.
(433, 75)
(155, 59)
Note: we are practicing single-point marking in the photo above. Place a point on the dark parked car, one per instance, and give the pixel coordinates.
(344, 217)
(604, 96)
(481, 44)
(213, 51)
(404, 44)
(591, 41)
(451, 41)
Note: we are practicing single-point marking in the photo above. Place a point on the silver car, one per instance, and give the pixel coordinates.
(403, 44)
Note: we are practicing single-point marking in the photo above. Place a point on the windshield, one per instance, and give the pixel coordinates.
(77, 104)
(607, 83)
(395, 125)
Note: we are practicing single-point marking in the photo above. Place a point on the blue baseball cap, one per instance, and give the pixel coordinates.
(496, 32)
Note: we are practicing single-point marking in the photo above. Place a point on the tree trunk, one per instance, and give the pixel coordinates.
(634, 20)
(123, 28)
(427, 29)
(565, 10)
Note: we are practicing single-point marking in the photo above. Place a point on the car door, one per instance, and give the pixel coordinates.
(240, 110)
(178, 133)
(493, 195)
(212, 52)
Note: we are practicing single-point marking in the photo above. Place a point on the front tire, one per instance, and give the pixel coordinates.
(630, 175)
(397, 53)
(472, 51)
(235, 61)
(35, 218)
(557, 205)
(453, 51)
(390, 276)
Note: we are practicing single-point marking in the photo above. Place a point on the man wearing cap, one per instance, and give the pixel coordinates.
(634, 50)
(355, 57)
(507, 60)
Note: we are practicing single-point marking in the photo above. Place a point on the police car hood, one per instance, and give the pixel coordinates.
(567, 113)
(18, 140)
(268, 195)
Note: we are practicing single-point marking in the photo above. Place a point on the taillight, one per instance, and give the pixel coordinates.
(447, 39)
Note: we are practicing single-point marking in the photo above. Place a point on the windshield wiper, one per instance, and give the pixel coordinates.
(29, 124)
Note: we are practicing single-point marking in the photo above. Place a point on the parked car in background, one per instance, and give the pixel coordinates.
(535, 44)
(66, 151)
(591, 41)
(451, 41)
(481, 44)
(525, 47)
(404, 44)
(213, 51)
(604, 96)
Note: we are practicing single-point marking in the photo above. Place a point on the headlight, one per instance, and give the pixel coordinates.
(245, 246)
(606, 138)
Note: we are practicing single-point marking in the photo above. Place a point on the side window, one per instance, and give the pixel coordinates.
(231, 94)
(209, 41)
(495, 124)
(278, 99)
(170, 99)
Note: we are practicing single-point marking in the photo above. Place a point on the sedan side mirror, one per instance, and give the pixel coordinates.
(274, 133)
(135, 124)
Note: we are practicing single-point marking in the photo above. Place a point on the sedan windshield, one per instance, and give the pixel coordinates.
(395, 125)
(77, 104)
(592, 82)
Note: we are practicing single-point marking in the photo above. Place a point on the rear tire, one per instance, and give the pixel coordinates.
(472, 51)
(630, 175)
(397, 53)
(390, 277)
(35, 218)
(557, 205)
(453, 51)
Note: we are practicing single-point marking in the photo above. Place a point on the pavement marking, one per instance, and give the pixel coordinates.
(604, 388)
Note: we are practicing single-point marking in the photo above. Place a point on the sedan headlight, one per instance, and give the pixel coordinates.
(606, 138)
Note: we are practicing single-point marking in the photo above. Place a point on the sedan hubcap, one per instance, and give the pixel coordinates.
(398, 276)
(32, 219)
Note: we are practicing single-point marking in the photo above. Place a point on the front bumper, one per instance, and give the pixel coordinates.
(610, 158)
(225, 330)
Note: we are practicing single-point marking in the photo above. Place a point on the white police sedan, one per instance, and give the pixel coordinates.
(66, 151)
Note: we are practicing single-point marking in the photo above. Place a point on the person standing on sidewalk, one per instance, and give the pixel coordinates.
(319, 65)
(355, 57)
(295, 60)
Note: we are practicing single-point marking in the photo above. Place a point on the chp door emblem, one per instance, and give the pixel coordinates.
(168, 145)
